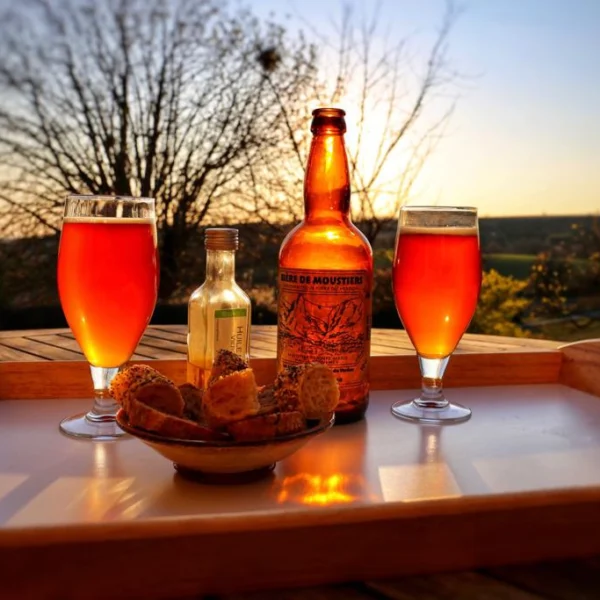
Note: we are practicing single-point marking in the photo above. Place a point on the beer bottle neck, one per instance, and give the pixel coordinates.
(327, 180)
(220, 266)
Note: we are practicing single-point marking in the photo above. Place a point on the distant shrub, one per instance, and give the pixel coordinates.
(500, 306)
(383, 258)
(549, 284)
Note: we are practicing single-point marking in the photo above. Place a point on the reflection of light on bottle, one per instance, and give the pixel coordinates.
(328, 155)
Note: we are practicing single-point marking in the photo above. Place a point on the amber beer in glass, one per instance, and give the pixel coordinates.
(436, 280)
(107, 282)
(326, 273)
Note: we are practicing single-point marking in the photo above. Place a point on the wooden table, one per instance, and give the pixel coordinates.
(169, 341)
(579, 578)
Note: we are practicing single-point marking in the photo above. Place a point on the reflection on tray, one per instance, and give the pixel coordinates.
(429, 479)
(89, 491)
(413, 483)
(538, 471)
(10, 481)
(329, 471)
(322, 490)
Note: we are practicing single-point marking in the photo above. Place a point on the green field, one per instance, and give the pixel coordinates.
(517, 265)
(568, 331)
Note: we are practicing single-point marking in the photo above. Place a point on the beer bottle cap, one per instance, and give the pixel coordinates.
(221, 238)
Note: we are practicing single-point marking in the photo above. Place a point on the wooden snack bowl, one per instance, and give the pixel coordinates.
(226, 456)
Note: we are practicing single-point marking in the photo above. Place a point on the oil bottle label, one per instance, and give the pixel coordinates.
(325, 316)
(230, 330)
(210, 330)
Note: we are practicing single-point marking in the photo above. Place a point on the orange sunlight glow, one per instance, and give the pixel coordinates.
(317, 489)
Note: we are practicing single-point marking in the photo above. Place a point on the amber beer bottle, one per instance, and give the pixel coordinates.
(326, 273)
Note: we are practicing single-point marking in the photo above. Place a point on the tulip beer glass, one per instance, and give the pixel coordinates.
(107, 282)
(436, 280)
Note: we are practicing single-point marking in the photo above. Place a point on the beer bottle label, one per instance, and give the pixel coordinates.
(324, 316)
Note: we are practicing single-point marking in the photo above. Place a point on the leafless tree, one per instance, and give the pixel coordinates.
(172, 99)
(402, 107)
(398, 102)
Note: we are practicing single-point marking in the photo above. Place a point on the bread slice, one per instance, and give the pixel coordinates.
(147, 385)
(267, 427)
(309, 388)
(145, 417)
(230, 398)
(160, 394)
(119, 386)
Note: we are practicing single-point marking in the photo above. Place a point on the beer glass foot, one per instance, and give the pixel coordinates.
(451, 413)
(82, 427)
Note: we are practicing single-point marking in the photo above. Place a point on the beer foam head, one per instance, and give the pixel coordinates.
(410, 229)
(111, 220)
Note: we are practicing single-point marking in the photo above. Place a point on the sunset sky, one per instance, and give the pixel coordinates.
(525, 136)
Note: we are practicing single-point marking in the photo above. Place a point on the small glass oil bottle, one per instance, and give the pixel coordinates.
(219, 312)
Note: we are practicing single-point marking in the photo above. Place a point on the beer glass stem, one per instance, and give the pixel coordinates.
(104, 408)
(432, 373)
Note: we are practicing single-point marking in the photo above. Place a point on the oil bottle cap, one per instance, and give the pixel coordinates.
(221, 238)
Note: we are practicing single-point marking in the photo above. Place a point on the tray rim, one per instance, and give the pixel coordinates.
(71, 379)
(295, 518)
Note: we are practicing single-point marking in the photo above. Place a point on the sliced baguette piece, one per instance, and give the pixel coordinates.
(161, 394)
(267, 427)
(145, 417)
(147, 385)
(119, 386)
(310, 388)
(230, 398)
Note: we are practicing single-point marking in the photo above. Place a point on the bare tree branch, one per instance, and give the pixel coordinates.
(173, 99)
(395, 119)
